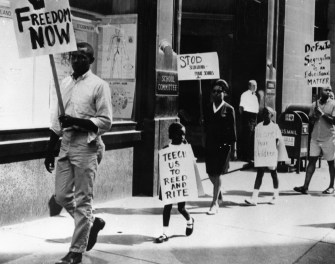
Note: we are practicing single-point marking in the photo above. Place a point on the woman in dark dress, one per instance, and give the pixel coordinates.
(220, 137)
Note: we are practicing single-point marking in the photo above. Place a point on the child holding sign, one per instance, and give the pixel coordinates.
(176, 184)
(269, 149)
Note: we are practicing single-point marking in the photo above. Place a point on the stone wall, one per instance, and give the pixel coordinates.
(25, 187)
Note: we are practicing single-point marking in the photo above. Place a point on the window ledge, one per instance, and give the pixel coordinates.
(24, 149)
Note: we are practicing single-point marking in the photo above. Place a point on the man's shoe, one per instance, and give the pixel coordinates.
(71, 258)
(189, 228)
(98, 225)
(300, 189)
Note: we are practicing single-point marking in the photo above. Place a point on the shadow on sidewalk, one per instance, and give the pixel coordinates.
(325, 225)
(129, 211)
(4, 258)
(117, 239)
(309, 193)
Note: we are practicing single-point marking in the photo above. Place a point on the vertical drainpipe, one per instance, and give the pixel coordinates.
(331, 37)
(270, 85)
(177, 25)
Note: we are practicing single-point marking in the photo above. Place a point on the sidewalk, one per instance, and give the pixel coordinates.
(299, 229)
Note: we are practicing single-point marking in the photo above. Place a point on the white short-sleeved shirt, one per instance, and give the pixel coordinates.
(249, 102)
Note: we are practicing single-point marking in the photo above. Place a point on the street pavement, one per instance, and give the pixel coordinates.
(298, 229)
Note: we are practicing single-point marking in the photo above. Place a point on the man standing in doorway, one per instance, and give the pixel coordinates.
(88, 114)
(249, 107)
(321, 117)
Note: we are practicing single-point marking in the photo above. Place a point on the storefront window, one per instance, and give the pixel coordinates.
(117, 61)
(24, 89)
(27, 85)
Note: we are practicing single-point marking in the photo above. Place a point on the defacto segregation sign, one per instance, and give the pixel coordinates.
(317, 64)
(199, 66)
(43, 27)
(177, 176)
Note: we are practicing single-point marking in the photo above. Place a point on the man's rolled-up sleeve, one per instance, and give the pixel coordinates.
(54, 114)
(104, 113)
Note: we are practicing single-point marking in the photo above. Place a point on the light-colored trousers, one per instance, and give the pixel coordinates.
(75, 173)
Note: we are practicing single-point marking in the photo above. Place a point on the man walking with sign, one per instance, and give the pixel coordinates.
(322, 117)
(88, 114)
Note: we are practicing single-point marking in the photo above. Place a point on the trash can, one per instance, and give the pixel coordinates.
(294, 126)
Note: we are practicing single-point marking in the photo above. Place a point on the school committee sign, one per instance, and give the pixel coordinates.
(43, 27)
(199, 66)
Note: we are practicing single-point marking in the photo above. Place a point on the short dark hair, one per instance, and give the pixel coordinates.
(223, 84)
(87, 48)
(174, 127)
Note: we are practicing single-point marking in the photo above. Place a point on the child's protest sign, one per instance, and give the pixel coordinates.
(266, 154)
(43, 27)
(177, 176)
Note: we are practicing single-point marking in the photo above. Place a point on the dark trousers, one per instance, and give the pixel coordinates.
(249, 122)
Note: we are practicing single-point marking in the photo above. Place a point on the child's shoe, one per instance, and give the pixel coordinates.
(161, 239)
(214, 209)
(250, 202)
(189, 228)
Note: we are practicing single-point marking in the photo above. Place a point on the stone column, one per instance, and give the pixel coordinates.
(331, 37)
(159, 88)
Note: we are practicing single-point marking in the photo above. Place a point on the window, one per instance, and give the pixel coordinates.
(117, 61)
(27, 86)
(24, 89)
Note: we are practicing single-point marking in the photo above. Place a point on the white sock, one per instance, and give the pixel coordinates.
(275, 193)
(166, 230)
(190, 221)
(254, 196)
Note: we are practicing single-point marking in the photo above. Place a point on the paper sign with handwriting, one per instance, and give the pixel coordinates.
(199, 66)
(176, 172)
(43, 27)
(317, 64)
(266, 154)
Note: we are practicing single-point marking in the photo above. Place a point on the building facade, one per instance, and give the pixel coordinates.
(136, 43)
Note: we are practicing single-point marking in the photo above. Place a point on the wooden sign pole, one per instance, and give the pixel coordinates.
(59, 95)
(201, 115)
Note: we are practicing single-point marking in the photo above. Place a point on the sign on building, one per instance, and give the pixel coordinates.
(43, 27)
(317, 64)
(199, 66)
(177, 175)
(167, 83)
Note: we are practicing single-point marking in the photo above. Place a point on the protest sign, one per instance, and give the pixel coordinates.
(266, 154)
(199, 66)
(317, 64)
(43, 27)
(177, 176)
